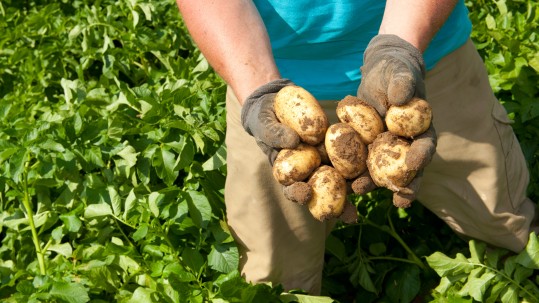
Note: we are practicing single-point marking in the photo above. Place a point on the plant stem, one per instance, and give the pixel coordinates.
(30, 214)
(404, 245)
(392, 259)
(395, 235)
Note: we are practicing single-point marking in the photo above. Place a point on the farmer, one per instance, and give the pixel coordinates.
(385, 52)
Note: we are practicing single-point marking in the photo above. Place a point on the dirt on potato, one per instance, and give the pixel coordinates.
(346, 146)
(386, 162)
(346, 150)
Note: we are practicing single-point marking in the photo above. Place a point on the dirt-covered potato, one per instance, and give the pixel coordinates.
(294, 165)
(409, 120)
(346, 151)
(387, 162)
(297, 108)
(328, 193)
(361, 116)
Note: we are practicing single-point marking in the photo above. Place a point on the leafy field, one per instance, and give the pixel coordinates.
(112, 170)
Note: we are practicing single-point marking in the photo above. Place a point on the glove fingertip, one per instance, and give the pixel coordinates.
(299, 192)
(401, 200)
(349, 214)
(401, 88)
(363, 184)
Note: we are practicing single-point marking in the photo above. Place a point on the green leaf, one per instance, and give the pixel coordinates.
(129, 154)
(534, 62)
(509, 294)
(63, 249)
(69, 292)
(495, 292)
(17, 164)
(335, 246)
(491, 22)
(477, 251)
(224, 258)
(97, 210)
(477, 285)
(529, 257)
(522, 273)
(141, 232)
(403, 285)
(130, 203)
(299, 298)
(444, 265)
(164, 163)
(199, 208)
(141, 294)
(71, 222)
(217, 160)
(193, 259)
(154, 199)
(365, 279)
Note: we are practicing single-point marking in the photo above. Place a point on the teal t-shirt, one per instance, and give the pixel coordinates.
(319, 44)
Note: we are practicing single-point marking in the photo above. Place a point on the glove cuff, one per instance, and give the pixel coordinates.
(383, 42)
(253, 100)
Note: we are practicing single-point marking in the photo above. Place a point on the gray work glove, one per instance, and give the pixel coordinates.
(259, 120)
(393, 72)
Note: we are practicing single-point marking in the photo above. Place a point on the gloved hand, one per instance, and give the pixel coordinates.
(393, 73)
(259, 120)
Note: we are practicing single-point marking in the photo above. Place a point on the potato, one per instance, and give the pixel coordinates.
(294, 165)
(328, 193)
(387, 162)
(409, 120)
(346, 151)
(298, 109)
(361, 116)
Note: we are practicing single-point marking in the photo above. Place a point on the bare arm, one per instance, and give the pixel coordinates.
(234, 40)
(416, 21)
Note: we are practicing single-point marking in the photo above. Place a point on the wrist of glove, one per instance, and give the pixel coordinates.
(393, 72)
(259, 120)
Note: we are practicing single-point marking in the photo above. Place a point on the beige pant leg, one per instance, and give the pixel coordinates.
(478, 177)
(279, 241)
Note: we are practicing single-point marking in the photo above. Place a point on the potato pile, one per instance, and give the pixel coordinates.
(308, 163)
(329, 156)
(387, 153)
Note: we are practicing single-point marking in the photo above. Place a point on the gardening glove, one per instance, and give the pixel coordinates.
(259, 120)
(393, 72)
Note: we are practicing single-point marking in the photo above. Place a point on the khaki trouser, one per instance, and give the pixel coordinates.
(476, 181)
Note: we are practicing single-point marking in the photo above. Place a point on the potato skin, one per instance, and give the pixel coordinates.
(346, 151)
(409, 120)
(387, 162)
(294, 165)
(362, 117)
(329, 193)
(297, 108)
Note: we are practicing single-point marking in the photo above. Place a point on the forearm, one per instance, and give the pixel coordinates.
(234, 40)
(416, 21)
